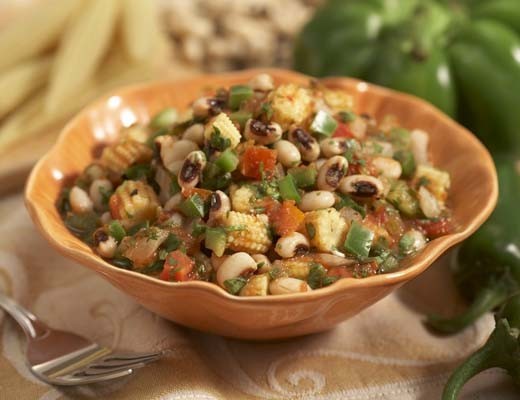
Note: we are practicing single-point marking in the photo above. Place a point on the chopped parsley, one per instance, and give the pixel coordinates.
(318, 277)
(234, 285)
(217, 142)
(267, 110)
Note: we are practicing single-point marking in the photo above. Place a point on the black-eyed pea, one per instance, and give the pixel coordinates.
(194, 133)
(261, 132)
(307, 145)
(217, 261)
(206, 106)
(362, 186)
(317, 200)
(428, 203)
(236, 265)
(99, 191)
(262, 262)
(106, 245)
(105, 217)
(332, 147)
(219, 206)
(201, 107)
(287, 285)
(331, 173)
(80, 200)
(287, 153)
(419, 144)
(173, 152)
(292, 245)
(191, 171)
(388, 167)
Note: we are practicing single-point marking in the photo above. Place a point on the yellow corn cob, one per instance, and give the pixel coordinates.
(117, 158)
(291, 104)
(256, 286)
(325, 229)
(294, 267)
(226, 128)
(254, 238)
(436, 181)
(242, 199)
(338, 100)
(133, 202)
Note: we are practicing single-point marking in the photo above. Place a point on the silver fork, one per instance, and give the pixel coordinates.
(64, 358)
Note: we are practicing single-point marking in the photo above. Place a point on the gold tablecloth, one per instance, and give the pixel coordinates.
(383, 353)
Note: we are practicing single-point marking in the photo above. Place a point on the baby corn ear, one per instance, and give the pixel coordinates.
(222, 124)
(249, 233)
(117, 158)
(258, 285)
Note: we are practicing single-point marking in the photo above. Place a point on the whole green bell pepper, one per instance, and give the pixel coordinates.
(463, 56)
(502, 350)
(487, 270)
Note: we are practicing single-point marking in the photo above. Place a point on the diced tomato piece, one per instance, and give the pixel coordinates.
(436, 228)
(339, 272)
(286, 218)
(203, 193)
(177, 267)
(256, 159)
(270, 205)
(343, 130)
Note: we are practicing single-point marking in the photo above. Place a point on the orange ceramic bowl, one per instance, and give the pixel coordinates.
(207, 307)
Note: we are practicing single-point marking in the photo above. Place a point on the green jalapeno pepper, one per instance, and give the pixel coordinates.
(487, 270)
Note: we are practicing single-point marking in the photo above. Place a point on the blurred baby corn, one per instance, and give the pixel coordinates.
(59, 55)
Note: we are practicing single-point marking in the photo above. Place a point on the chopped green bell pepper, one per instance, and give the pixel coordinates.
(227, 161)
(193, 206)
(164, 119)
(359, 240)
(238, 94)
(216, 240)
(303, 177)
(288, 189)
(323, 124)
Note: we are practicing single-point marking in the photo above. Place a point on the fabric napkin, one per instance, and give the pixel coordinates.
(383, 353)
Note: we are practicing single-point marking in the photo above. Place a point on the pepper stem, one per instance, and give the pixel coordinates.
(501, 350)
(477, 362)
(486, 300)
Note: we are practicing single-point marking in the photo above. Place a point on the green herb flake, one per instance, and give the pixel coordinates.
(316, 275)
(172, 242)
(311, 230)
(275, 272)
(154, 268)
(267, 109)
(105, 195)
(234, 285)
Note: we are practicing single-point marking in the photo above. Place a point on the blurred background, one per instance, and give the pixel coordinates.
(56, 56)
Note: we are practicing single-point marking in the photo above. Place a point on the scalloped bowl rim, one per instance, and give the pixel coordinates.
(429, 254)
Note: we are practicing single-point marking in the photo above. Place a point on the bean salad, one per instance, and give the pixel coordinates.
(262, 189)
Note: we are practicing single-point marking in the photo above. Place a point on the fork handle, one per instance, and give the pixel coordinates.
(32, 327)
